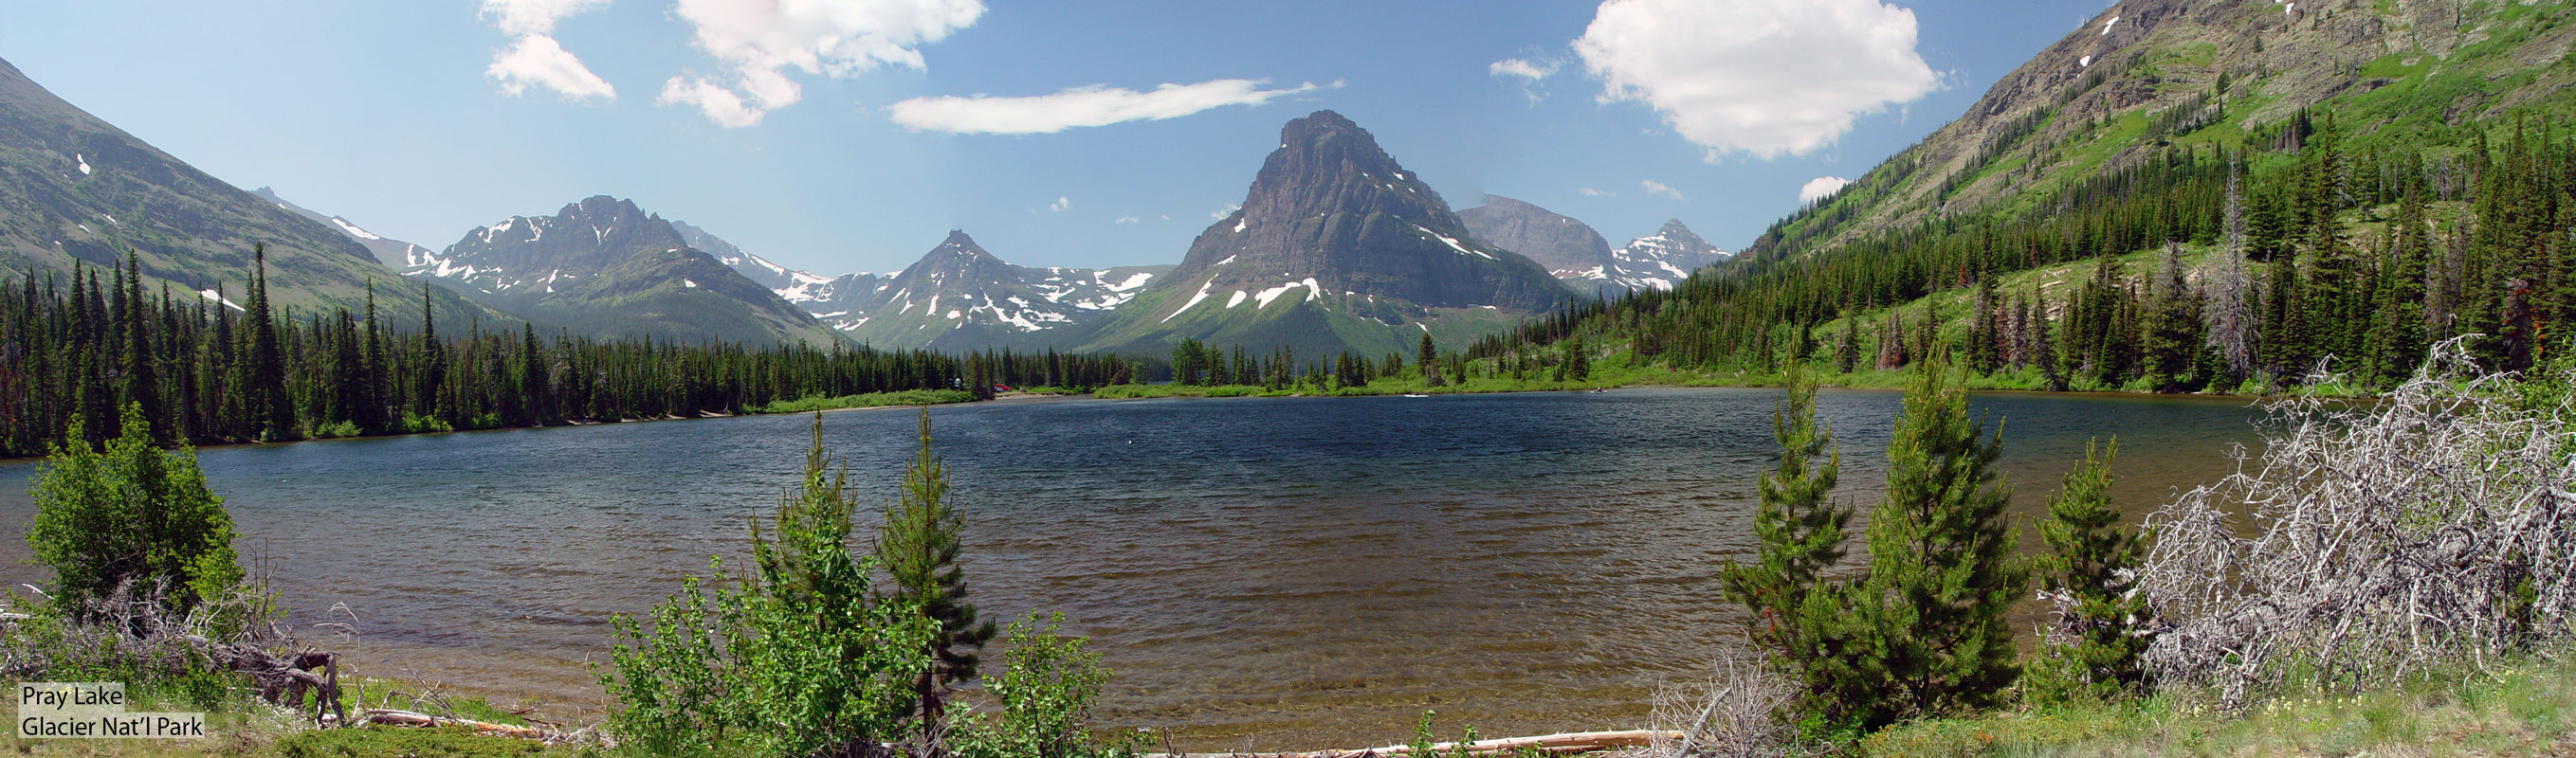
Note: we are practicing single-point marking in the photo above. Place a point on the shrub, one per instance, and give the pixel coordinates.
(130, 516)
(793, 659)
(1047, 687)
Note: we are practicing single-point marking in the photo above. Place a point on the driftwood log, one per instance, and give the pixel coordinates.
(390, 717)
(1569, 743)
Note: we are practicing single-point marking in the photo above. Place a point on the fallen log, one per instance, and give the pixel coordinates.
(1569, 743)
(390, 717)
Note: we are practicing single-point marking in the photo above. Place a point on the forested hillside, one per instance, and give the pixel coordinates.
(80, 348)
(2223, 200)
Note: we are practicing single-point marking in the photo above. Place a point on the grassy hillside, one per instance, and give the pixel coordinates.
(2409, 74)
(76, 191)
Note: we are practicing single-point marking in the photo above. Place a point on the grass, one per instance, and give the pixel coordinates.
(866, 400)
(2520, 710)
(238, 725)
(443, 742)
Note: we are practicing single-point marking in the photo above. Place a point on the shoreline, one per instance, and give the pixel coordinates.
(1030, 397)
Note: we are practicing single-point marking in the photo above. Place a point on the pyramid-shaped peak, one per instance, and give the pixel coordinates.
(1317, 123)
(959, 243)
(1326, 132)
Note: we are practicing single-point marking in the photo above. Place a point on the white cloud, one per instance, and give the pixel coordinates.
(1523, 68)
(1530, 71)
(1590, 192)
(721, 105)
(519, 18)
(1819, 187)
(759, 40)
(1659, 188)
(1062, 204)
(1220, 213)
(1096, 105)
(1126, 220)
(1763, 77)
(534, 58)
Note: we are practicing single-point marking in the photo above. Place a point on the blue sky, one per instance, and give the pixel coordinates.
(888, 122)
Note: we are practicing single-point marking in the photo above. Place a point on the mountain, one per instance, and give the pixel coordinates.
(1660, 260)
(2183, 196)
(753, 267)
(76, 188)
(966, 297)
(1336, 247)
(2144, 76)
(1565, 246)
(391, 252)
(959, 296)
(1576, 254)
(606, 269)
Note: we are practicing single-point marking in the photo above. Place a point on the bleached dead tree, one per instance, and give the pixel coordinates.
(2372, 541)
(1732, 713)
(2226, 312)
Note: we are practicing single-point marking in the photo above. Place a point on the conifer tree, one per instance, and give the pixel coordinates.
(1428, 359)
(1798, 531)
(536, 383)
(2091, 563)
(2396, 339)
(371, 371)
(2173, 327)
(344, 394)
(1941, 570)
(918, 547)
(272, 416)
(2283, 340)
(428, 400)
(1847, 353)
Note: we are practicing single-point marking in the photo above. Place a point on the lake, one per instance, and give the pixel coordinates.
(1260, 573)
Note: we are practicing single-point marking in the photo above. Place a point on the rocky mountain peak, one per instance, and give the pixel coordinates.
(1567, 247)
(1327, 164)
(1332, 212)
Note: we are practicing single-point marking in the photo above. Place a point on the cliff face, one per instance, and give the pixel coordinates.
(1565, 246)
(1331, 205)
(1336, 248)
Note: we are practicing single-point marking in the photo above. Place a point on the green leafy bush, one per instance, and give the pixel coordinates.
(131, 517)
(1047, 688)
(794, 658)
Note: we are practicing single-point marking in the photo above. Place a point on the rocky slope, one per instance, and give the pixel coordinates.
(1336, 247)
(1659, 260)
(76, 188)
(2147, 75)
(960, 297)
(606, 269)
(391, 252)
(1577, 255)
(1565, 246)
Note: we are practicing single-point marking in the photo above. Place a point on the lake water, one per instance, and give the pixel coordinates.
(1260, 573)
